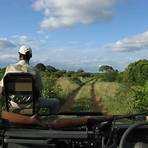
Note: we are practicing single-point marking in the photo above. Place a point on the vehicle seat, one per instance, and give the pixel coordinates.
(20, 93)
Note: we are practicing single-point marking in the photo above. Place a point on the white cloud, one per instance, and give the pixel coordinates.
(75, 56)
(21, 39)
(9, 47)
(4, 43)
(66, 13)
(137, 42)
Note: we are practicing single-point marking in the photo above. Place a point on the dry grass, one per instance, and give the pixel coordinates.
(85, 92)
(106, 88)
(83, 99)
(107, 91)
(66, 86)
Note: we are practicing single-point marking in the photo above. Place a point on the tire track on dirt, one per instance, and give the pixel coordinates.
(97, 105)
(70, 101)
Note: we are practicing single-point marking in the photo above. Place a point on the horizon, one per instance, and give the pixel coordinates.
(73, 35)
(75, 70)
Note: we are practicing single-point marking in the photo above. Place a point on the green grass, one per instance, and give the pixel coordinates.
(83, 99)
(107, 91)
(116, 98)
(106, 88)
(85, 92)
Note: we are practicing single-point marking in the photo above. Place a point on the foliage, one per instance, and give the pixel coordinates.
(51, 68)
(76, 79)
(82, 104)
(59, 73)
(137, 72)
(116, 98)
(80, 70)
(67, 87)
(49, 84)
(105, 68)
(122, 98)
(109, 76)
(140, 98)
(40, 67)
(83, 99)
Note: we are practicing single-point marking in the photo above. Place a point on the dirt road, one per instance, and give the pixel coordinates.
(70, 101)
(96, 105)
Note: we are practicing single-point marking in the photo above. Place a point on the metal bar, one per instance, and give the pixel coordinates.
(26, 141)
(51, 134)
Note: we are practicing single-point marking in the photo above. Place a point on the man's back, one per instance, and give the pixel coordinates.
(22, 66)
(25, 54)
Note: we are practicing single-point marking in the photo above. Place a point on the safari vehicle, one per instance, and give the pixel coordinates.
(70, 129)
(91, 54)
(82, 130)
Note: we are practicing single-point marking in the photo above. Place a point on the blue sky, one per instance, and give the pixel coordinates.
(72, 35)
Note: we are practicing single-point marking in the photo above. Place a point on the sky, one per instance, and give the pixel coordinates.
(74, 35)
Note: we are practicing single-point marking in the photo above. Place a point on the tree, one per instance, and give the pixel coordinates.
(51, 68)
(80, 70)
(106, 68)
(136, 72)
(109, 76)
(107, 73)
(40, 67)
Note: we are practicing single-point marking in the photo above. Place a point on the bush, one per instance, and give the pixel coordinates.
(141, 98)
(49, 84)
(136, 73)
(40, 67)
(51, 68)
(109, 76)
(129, 99)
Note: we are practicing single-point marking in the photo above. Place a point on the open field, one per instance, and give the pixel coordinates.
(66, 86)
(83, 99)
(92, 96)
(90, 93)
(80, 99)
(116, 98)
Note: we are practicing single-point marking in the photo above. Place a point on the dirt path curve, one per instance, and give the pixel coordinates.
(70, 101)
(97, 105)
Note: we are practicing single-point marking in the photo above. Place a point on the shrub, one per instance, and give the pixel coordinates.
(137, 72)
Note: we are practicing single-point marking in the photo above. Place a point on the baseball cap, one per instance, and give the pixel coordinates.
(24, 49)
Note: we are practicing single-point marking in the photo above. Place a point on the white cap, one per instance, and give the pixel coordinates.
(24, 49)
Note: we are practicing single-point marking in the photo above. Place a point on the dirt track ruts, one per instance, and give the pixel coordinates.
(70, 101)
(97, 105)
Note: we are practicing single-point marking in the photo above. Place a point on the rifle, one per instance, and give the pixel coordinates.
(64, 122)
(79, 121)
(56, 124)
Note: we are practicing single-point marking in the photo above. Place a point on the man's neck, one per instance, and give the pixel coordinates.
(26, 61)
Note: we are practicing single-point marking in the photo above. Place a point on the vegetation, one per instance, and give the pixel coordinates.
(40, 67)
(120, 92)
(107, 91)
(136, 73)
(83, 99)
(106, 68)
(66, 86)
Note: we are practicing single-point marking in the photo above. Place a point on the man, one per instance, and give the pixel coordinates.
(25, 54)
